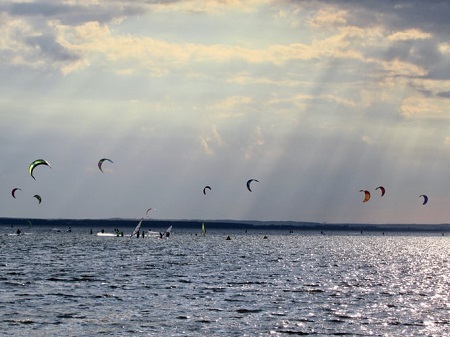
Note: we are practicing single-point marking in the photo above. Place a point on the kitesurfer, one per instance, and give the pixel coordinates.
(18, 232)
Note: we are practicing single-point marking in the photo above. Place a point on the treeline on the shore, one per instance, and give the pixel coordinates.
(223, 224)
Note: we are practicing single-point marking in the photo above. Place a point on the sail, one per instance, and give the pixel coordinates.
(138, 227)
(203, 229)
(167, 232)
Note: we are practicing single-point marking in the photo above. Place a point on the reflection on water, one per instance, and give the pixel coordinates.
(76, 284)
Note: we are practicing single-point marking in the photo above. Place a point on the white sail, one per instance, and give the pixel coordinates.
(168, 230)
(203, 229)
(138, 227)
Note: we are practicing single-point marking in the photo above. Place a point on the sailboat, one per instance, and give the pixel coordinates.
(161, 235)
(138, 227)
(166, 234)
(203, 229)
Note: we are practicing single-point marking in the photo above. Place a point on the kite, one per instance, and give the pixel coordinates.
(13, 192)
(366, 195)
(38, 197)
(100, 162)
(146, 213)
(425, 199)
(383, 190)
(35, 164)
(206, 188)
(249, 182)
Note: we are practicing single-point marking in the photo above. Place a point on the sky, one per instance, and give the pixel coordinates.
(317, 100)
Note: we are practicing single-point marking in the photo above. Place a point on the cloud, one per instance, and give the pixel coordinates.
(395, 15)
(408, 31)
(255, 144)
(328, 18)
(82, 33)
(417, 107)
(444, 94)
(230, 104)
(71, 13)
(409, 34)
(217, 7)
(367, 139)
(50, 48)
(211, 141)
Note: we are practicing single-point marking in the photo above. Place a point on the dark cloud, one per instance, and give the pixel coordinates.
(394, 16)
(49, 47)
(34, 9)
(72, 14)
(443, 94)
(44, 40)
(430, 16)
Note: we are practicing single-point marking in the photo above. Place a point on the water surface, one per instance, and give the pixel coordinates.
(76, 284)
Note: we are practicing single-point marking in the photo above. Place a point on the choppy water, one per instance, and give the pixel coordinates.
(76, 284)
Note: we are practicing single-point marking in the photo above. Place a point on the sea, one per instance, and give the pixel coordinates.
(55, 282)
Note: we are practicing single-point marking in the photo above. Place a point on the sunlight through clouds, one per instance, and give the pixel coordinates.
(316, 99)
(424, 108)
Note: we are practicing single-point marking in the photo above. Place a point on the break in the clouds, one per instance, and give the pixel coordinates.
(315, 99)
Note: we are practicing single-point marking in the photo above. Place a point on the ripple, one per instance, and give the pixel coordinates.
(289, 285)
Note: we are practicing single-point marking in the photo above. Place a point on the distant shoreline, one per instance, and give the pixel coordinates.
(226, 224)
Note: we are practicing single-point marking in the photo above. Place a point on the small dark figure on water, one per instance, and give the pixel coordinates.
(18, 232)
